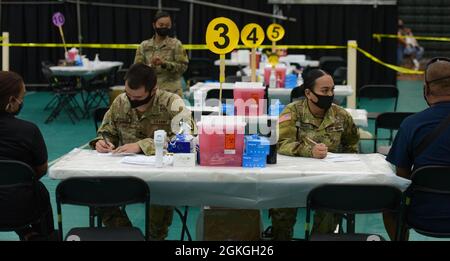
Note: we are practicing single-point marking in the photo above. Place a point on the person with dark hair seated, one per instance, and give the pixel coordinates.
(129, 126)
(165, 54)
(312, 127)
(423, 140)
(22, 141)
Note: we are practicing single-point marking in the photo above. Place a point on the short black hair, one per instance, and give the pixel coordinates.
(161, 14)
(140, 75)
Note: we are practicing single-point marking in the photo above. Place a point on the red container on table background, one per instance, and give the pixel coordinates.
(248, 97)
(280, 71)
(221, 140)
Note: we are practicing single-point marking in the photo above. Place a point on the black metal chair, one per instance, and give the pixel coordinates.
(432, 182)
(297, 93)
(98, 89)
(18, 176)
(233, 79)
(340, 75)
(384, 92)
(199, 70)
(99, 114)
(64, 96)
(390, 121)
(213, 94)
(330, 63)
(348, 200)
(99, 192)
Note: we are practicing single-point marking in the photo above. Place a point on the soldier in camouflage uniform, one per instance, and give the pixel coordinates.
(129, 126)
(312, 127)
(165, 54)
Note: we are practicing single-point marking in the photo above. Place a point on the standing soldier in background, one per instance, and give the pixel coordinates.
(312, 127)
(165, 54)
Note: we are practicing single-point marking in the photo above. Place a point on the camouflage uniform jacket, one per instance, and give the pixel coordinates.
(336, 130)
(123, 125)
(175, 62)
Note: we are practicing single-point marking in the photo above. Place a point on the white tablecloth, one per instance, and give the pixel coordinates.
(285, 184)
(85, 71)
(303, 63)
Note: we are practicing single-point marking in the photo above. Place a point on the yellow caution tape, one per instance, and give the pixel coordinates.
(304, 47)
(186, 46)
(424, 38)
(391, 66)
(203, 47)
(52, 45)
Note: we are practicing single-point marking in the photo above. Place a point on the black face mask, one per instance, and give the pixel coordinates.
(163, 31)
(324, 102)
(138, 103)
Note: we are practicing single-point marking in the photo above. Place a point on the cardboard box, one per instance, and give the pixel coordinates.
(226, 224)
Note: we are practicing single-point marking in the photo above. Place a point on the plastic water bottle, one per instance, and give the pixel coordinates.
(96, 60)
(299, 79)
(273, 79)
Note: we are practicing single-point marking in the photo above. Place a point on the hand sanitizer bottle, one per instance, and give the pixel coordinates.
(159, 139)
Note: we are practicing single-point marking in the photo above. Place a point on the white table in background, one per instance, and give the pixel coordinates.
(285, 184)
(282, 94)
(304, 63)
(89, 71)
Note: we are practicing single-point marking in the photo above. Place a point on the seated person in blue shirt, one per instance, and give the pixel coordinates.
(22, 141)
(416, 127)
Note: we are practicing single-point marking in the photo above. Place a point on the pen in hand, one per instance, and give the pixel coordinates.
(106, 141)
(310, 140)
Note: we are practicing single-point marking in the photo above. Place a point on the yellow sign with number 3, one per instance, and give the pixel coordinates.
(222, 35)
(275, 32)
(252, 35)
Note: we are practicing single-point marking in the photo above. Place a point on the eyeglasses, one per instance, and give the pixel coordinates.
(434, 60)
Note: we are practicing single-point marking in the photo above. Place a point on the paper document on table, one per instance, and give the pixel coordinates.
(123, 154)
(145, 160)
(331, 157)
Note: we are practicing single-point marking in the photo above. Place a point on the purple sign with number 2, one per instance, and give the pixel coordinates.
(58, 19)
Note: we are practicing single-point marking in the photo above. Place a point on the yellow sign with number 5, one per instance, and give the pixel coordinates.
(222, 35)
(275, 32)
(252, 35)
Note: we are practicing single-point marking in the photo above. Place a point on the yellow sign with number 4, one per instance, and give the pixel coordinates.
(252, 35)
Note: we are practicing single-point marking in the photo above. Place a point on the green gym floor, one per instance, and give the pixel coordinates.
(62, 136)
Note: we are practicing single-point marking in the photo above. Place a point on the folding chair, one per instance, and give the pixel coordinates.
(430, 185)
(348, 200)
(390, 121)
(97, 192)
(199, 70)
(330, 63)
(296, 94)
(98, 89)
(64, 99)
(340, 75)
(381, 92)
(18, 176)
(214, 94)
(233, 79)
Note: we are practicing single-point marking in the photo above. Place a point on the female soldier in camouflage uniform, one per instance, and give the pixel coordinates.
(165, 54)
(312, 127)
